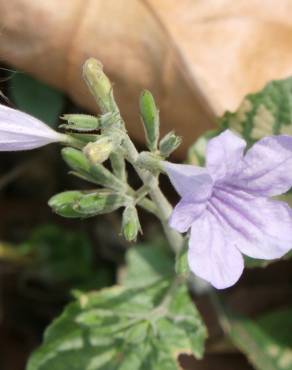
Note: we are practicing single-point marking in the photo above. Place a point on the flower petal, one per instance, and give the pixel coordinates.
(190, 181)
(185, 213)
(20, 131)
(267, 167)
(260, 228)
(224, 155)
(212, 255)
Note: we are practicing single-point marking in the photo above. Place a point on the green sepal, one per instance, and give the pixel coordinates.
(149, 161)
(169, 143)
(150, 118)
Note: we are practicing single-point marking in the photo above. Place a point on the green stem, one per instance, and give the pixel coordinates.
(164, 209)
(71, 141)
(118, 165)
(148, 205)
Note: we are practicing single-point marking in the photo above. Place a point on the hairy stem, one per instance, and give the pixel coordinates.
(148, 205)
(164, 208)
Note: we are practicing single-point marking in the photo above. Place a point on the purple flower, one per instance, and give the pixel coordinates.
(227, 207)
(20, 131)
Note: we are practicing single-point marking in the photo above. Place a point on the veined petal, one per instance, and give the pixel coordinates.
(185, 213)
(212, 256)
(260, 228)
(267, 167)
(20, 131)
(192, 182)
(224, 155)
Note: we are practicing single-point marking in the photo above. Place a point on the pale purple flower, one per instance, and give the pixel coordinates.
(20, 131)
(227, 207)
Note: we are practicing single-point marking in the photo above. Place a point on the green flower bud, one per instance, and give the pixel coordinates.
(100, 202)
(80, 122)
(100, 150)
(131, 224)
(169, 143)
(99, 85)
(63, 203)
(76, 160)
(150, 118)
(96, 174)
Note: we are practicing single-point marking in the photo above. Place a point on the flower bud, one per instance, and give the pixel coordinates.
(80, 122)
(100, 150)
(150, 118)
(99, 85)
(63, 203)
(96, 174)
(100, 202)
(169, 143)
(130, 224)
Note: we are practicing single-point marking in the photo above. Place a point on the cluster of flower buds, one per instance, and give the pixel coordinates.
(90, 142)
(104, 138)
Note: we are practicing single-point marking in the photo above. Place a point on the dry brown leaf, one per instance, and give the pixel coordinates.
(198, 57)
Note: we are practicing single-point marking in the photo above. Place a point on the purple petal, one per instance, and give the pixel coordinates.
(224, 155)
(20, 131)
(185, 213)
(190, 181)
(212, 256)
(259, 227)
(267, 167)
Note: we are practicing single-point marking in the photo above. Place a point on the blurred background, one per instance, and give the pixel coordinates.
(199, 58)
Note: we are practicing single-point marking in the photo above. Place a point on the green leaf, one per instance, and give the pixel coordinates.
(147, 264)
(123, 328)
(267, 112)
(54, 254)
(266, 342)
(278, 325)
(253, 263)
(36, 98)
